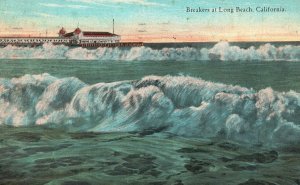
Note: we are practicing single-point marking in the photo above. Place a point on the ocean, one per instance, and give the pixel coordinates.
(184, 113)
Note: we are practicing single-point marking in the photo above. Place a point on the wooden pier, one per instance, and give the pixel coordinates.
(111, 45)
(85, 45)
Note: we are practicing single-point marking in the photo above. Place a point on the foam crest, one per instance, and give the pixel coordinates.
(222, 51)
(184, 106)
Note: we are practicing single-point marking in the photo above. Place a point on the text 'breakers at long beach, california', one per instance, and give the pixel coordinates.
(260, 9)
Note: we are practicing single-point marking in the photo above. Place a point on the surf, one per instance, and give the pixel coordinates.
(158, 103)
(222, 51)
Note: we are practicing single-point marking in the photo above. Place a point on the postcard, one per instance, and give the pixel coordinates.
(149, 92)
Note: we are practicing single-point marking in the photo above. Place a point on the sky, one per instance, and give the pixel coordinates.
(153, 20)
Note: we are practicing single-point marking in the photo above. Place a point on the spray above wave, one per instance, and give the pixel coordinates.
(184, 106)
(221, 51)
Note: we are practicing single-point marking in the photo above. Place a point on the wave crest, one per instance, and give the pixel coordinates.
(221, 51)
(181, 105)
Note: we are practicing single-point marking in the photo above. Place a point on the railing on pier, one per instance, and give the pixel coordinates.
(110, 45)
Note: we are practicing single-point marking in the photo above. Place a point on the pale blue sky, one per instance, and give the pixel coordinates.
(151, 19)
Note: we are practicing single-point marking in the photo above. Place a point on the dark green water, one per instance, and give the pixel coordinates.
(37, 156)
(281, 76)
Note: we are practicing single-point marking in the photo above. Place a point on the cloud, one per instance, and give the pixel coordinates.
(7, 12)
(52, 5)
(44, 15)
(101, 2)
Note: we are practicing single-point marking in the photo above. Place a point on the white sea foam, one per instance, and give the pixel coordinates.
(185, 106)
(221, 51)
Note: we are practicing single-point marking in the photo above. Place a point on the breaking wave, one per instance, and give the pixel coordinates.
(184, 106)
(221, 51)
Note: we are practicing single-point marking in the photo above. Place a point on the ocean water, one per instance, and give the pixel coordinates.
(159, 114)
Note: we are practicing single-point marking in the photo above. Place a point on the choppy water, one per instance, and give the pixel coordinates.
(247, 94)
(54, 157)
